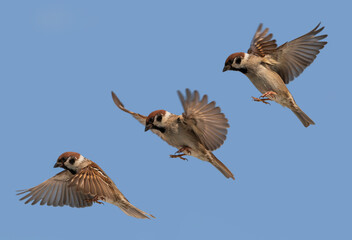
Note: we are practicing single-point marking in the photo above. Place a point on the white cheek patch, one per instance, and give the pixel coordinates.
(79, 160)
(166, 116)
(164, 119)
(76, 163)
(246, 55)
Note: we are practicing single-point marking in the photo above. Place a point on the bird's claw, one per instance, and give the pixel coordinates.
(265, 97)
(179, 156)
(263, 100)
(186, 150)
(96, 200)
(269, 94)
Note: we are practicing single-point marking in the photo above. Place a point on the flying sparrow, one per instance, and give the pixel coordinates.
(270, 67)
(201, 129)
(79, 185)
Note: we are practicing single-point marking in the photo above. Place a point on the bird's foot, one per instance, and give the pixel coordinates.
(179, 156)
(186, 150)
(96, 200)
(265, 97)
(263, 100)
(268, 94)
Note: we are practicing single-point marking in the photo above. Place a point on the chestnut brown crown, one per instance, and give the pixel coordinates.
(64, 157)
(152, 117)
(235, 57)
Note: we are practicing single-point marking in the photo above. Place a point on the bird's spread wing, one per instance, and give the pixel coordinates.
(92, 180)
(262, 42)
(206, 120)
(291, 58)
(56, 192)
(294, 56)
(141, 118)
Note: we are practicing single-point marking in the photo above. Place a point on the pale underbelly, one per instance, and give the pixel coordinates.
(195, 150)
(283, 96)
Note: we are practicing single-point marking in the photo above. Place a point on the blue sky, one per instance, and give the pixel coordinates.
(61, 59)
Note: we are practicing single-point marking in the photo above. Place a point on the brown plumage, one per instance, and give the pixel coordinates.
(79, 185)
(201, 129)
(270, 67)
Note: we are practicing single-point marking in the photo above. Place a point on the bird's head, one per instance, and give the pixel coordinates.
(236, 62)
(157, 120)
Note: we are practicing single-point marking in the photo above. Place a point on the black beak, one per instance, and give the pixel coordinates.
(57, 165)
(227, 67)
(147, 127)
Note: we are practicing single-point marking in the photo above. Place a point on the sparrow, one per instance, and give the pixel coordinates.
(79, 185)
(270, 67)
(201, 129)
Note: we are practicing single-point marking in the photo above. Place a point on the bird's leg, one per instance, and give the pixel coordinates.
(265, 97)
(263, 100)
(96, 199)
(269, 94)
(179, 156)
(185, 150)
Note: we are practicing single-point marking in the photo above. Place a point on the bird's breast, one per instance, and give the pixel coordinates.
(266, 80)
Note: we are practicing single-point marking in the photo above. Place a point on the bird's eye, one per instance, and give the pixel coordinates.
(159, 118)
(238, 60)
(72, 161)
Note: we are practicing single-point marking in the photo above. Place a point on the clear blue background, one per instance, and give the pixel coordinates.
(60, 60)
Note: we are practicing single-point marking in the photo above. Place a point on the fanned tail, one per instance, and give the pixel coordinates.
(131, 210)
(220, 166)
(306, 121)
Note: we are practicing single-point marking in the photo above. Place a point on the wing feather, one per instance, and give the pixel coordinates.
(119, 104)
(56, 192)
(262, 44)
(63, 196)
(291, 58)
(141, 118)
(93, 181)
(205, 119)
(50, 197)
(294, 56)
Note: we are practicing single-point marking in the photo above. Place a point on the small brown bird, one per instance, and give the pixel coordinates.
(270, 67)
(79, 185)
(201, 129)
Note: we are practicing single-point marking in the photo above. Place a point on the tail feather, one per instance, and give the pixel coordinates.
(220, 166)
(131, 210)
(306, 121)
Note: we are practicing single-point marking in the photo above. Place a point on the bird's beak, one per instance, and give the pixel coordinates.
(227, 67)
(147, 127)
(58, 164)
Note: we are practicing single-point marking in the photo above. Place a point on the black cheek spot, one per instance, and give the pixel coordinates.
(243, 70)
(238, 60)
(159, 118)
(72, 161)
